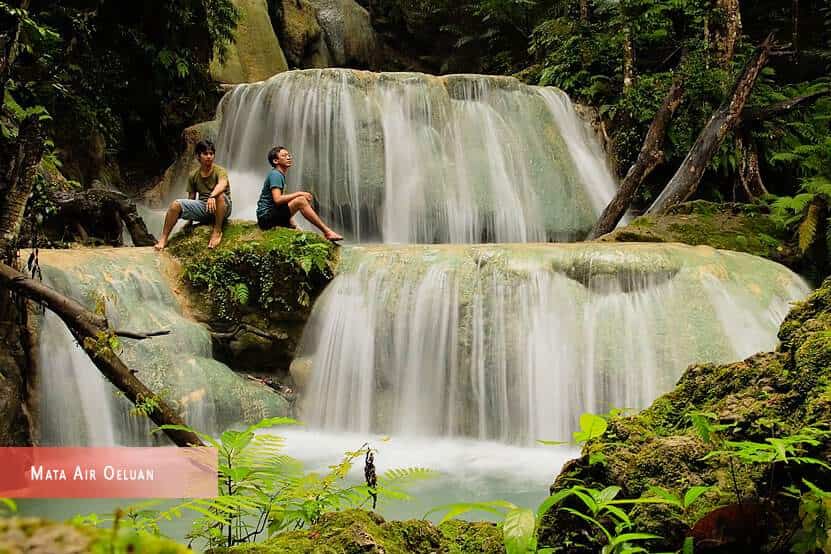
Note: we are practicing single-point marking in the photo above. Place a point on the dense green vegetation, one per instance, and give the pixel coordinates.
(120, 83)
(581, 46)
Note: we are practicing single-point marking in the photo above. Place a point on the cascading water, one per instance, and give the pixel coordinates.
(411, 158)
(78, 407)
(513, 342)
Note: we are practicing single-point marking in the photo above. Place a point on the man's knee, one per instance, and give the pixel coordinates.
(300, 202)
(175, 207)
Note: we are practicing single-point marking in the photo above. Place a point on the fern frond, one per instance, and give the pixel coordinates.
(240, 293)
(405, 476)
(808, 228)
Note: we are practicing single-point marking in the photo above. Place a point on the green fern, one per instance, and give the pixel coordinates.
(808, 228)
(240, 293)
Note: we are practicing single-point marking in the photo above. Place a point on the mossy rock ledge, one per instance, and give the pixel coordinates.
(773, 394)
(727, 226)
(41, 536)
(359, 531)
(254, 291)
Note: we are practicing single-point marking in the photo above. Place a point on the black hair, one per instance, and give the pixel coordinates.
(205, 146)
(272, 154)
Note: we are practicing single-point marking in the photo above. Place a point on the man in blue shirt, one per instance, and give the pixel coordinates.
(275, 208)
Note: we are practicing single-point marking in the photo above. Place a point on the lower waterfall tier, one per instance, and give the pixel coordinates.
(78, 407)
(514, 342)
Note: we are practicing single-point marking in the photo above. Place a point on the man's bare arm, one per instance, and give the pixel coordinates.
(279, 198)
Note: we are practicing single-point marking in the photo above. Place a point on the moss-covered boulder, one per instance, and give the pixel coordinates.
(354, 531)
(40, 536)
(740, 227)
(774, 394)
(256, 54)
(255, 291)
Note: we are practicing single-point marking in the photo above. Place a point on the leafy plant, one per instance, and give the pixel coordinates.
(263, 490)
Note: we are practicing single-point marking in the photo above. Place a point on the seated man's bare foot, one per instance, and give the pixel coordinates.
(216, 238)
(159, 246)
(332, 236)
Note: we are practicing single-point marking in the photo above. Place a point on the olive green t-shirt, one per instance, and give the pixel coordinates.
(204, 186)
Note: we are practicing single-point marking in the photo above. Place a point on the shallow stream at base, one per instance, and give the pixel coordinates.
(469, 471)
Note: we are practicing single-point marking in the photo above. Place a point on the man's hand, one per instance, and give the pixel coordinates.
(211, 205)
(308, 195)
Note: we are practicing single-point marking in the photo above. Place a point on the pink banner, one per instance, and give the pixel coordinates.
(120, 472)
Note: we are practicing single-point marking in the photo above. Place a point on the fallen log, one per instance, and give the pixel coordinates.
(92, 331)
(688, 176)
(649, 158)
(100, 213)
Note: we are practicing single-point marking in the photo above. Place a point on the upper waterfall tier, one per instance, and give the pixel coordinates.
(78, 407)
(514, 342)
(412, 158)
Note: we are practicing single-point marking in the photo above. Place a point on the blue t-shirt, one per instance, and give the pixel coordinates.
(274, 180)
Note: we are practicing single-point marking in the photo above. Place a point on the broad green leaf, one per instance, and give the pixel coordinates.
(693, 493)
(591, 427)
(518, 530)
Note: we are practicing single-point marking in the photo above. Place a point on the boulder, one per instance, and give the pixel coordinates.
(300, 33)
(256, 54)
(348, 34)
(269, 280)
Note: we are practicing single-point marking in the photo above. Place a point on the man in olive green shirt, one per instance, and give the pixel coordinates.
(208, 201)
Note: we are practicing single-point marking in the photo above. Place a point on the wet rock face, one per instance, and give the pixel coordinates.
(774, 394)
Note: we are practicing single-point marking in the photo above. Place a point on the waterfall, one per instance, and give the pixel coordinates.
(78, 407)
(513, 342)
(411, 158)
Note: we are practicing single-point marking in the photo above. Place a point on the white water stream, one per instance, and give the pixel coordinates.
(411, 158)
(513, 342)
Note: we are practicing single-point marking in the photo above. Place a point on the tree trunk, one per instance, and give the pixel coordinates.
(91, 332)
(628, 60)
(750, 176)
(688, 176)
(584, 11)
(795, 29)
(729, 32)
(648, 159)
(19, 181)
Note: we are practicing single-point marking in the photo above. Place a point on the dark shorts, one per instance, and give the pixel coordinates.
(279, 216)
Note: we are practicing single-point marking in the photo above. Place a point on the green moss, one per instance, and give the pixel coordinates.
(255, 272)
(358, 531)
(19, 534)
(739, 227)
(463, 537)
